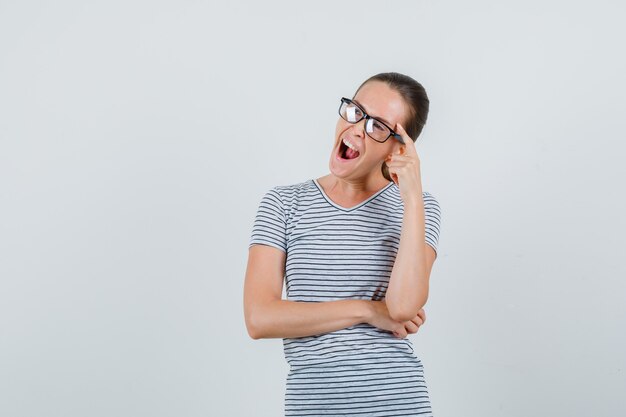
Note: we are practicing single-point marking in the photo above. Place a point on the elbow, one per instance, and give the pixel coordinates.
(254, 332)
(253, 327)
(259, 320)
(404, 313)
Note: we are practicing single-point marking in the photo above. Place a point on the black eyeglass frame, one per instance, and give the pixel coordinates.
(366, 116)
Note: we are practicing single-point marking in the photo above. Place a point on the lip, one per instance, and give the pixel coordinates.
(340, 159)
(344, 161)
(358, 147)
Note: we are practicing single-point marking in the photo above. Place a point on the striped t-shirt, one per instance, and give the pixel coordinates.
(334, 253)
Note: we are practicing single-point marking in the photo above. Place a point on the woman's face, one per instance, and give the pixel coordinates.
(378, 100)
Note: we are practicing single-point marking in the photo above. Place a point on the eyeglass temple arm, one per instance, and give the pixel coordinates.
(398, 137)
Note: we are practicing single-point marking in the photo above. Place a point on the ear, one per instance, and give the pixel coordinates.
(394, 150)
(397, 146)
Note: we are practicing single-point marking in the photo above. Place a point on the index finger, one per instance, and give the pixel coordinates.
(409, 146)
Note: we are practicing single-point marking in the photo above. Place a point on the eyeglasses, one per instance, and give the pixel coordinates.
(375, 129)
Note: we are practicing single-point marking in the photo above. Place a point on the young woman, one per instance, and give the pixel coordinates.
(355, 248)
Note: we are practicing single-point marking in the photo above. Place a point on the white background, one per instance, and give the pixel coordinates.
(137, 138)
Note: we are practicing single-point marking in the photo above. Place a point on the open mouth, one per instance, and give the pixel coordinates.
(346, 152)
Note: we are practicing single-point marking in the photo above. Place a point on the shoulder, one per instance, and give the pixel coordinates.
(294, 188)
(431, 205)
(430, 200)
(292, 192)
(432, 211)
(289, 196)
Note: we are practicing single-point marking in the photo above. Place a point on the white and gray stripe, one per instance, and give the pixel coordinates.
(336, 253)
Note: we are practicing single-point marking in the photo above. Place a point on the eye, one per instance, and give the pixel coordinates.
(379, 126)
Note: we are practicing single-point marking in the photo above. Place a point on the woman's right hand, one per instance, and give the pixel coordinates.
(380, 318)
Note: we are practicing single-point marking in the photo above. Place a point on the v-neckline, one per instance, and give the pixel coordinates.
(331, 202)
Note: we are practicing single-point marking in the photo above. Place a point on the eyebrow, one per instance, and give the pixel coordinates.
(375, 117)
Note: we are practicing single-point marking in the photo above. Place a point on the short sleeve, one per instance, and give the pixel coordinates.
(270, 226)
(432, 221)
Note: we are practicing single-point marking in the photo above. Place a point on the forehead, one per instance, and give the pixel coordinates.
(380, 101)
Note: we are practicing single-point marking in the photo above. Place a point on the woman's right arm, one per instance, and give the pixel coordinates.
(267, 315)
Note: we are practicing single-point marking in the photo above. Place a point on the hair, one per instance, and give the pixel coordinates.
(414, 96)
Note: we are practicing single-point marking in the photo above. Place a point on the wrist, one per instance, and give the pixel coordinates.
(414, 202)
(366, 311)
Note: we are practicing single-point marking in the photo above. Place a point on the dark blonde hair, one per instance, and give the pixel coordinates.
(415, 97)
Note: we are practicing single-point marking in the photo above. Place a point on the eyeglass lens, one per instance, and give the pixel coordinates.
(353, 114)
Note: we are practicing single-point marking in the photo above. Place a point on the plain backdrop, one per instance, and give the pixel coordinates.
(137, 138)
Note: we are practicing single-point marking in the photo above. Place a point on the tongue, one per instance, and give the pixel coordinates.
(351, 154)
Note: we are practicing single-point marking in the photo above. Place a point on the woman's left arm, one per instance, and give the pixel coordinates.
(408, 286)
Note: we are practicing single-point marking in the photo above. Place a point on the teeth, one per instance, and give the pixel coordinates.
(349, 145)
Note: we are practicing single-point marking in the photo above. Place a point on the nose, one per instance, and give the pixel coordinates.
(358, 128)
